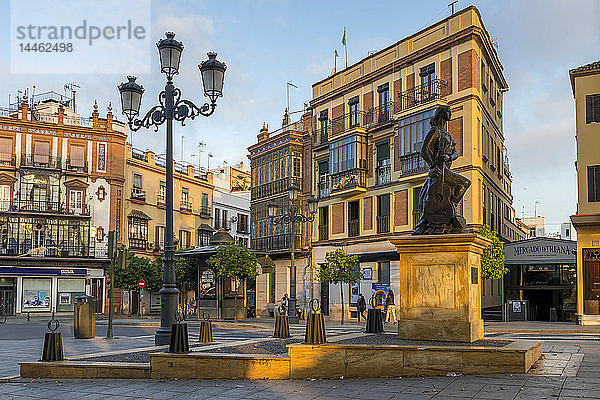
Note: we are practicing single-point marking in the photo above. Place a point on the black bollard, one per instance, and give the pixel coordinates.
(179, 335)
(282, 324)
(205, 329)
(315, 325)
(374, 321)
(53, 350)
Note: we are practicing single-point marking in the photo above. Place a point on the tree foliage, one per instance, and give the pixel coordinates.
(139, 268)
(234, 260)
(492, 259)
(340, 268)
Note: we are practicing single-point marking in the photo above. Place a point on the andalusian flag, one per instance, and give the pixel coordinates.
(344, 37)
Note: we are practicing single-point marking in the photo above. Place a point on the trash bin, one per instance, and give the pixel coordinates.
(84, 317)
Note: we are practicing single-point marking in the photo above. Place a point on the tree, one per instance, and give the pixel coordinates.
(340, 268)
(138, 268)
(234, 261)
(492, 259)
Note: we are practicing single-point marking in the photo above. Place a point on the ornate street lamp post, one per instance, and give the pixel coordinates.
(290, 217)
(171, 106)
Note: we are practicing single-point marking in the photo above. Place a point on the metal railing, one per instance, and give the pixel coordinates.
(412, 164)
(274, 187)
(77, 168)
(275, 242)
(161, 199)
(384, 174)
(205, 210)
(355, 178)
(380, 114)
(40, 161)
(324, 188)
(137, 243)
(186, 205)
(383, 223)
(323, 232)
(348, 122)
(420, 95)
(46, 206)
(9, 112)
(353, 228)
(8, 160)
(138, 194)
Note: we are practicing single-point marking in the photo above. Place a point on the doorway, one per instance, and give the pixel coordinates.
(98, 294)
(7, 300)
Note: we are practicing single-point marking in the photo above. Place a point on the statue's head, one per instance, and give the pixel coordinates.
(442, 113)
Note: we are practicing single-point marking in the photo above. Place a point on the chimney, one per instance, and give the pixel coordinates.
(150, 157)
(24, 109)
(264, 133)
(190, 170)
(109, 117)
(307, 120)
(286, 118)
(61, 114)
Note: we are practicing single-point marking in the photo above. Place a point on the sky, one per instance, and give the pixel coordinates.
(267, 43)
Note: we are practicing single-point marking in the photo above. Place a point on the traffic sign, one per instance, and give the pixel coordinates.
(141, 283)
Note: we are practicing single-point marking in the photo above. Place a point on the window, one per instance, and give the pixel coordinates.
(137, 181)
(205, 209)
(383, 163)
(324, 124)
(41, 152)
(159, 240)
(4, 197)
(411, 131)
(343, 154)
(138, 233)
(271, 279)
(354, 111)
(204, 237)
(384, 102)
(217, 218)
(225, 221)
(427, 75)
(77, 156)
(6, 151)
(383, 213)
(323, 179)
(383, 272)
(185, 194)
(184, 239)
(297, 167)
(161, 197)
(75, 201)
(242, 223)
(592, 108)
(323, 223)
(483, 196)
(593, 183)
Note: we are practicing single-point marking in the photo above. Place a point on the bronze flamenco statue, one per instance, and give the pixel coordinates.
(443, 189)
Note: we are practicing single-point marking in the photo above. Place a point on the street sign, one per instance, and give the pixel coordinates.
(141, 283)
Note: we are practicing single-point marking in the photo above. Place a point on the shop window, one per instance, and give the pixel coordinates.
(383, 272)
(68, 289)
(36, 294)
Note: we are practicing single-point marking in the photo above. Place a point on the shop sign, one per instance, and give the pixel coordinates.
(541, 268)
(354, 293)
(65, 299)
(22, 271)
(540, 250)
(36, 299)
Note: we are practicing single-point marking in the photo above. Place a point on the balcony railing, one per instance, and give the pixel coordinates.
(324, 188)
(352, 179)
(420, 95)
(186, 205)
(274, 187)
(45, 206)
(40, 161)
(380, 114)
(7, 160)
(161, 199)
(323, 232)
(138, 194)
(384, 174)
(348, 122)
(412, 164)
(76, 168)
(275, 242)
(383, 223)
(353, 228)
(11, 247)
(205, 210)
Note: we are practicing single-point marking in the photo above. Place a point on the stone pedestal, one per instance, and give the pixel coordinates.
(440, 295)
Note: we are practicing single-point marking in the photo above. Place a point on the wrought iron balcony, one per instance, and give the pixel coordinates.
(273, 188)
(380, 114)
(383, 223)
(384, 174)
(205, 210)
(138, 194)
(77, 168)
(351, 181)
(186, 205)
(40, 161)
(353, 228)
(161, 199)
(348, 122)
(7, 160)
(324, 188)
(420, 95)
(412, 164)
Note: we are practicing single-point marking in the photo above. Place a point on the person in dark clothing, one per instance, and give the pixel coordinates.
(361, 305)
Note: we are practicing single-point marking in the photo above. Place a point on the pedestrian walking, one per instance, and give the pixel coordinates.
(361, 306)
(390, 306)
(285, 304)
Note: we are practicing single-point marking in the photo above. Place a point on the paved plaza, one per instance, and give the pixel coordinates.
(569, 369)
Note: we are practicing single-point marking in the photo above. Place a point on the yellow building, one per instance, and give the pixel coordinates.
(369, 121)
(585, 82)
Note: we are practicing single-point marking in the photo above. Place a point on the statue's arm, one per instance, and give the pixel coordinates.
(427, 151)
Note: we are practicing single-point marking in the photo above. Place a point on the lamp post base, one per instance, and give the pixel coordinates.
(292, 315)
(162, 336)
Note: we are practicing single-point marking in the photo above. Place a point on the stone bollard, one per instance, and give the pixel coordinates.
(179, 335)
(282, 324)
(205, 329)
(315, 325)
(53, 350)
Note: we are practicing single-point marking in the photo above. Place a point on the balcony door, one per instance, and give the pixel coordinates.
(383, 163)
(383, 213)
(427, 75)
(4, 197)
(353, 222)
(76, 201)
